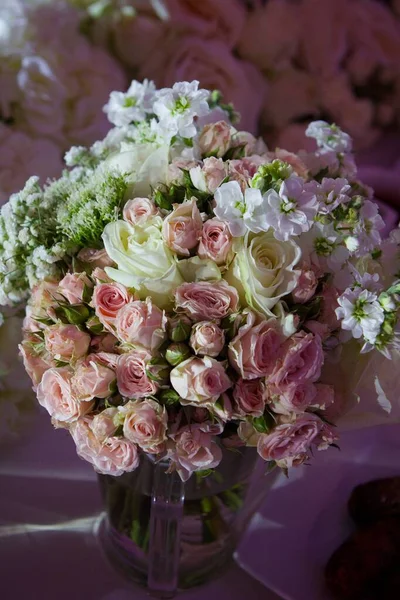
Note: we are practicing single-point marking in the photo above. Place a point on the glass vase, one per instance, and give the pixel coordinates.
(168, 535)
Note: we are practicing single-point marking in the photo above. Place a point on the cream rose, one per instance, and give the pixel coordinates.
(144, 261)
(264, 270)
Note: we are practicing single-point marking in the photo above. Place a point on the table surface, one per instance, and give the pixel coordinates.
(49, 508)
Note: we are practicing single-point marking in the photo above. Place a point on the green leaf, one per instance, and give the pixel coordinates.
(260, 424)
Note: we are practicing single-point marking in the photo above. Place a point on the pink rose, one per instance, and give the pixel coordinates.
(103, 425)
(294, 398)
(108, 359)
(182, 228)
(55, 395)
(306, 286)
(242, 170)
(175, 175)
(131, 375)
(66, 342)
(215, 242)
(300, 360)
(253, 352)
(108, 299)
(104, 342)
(194, 450)
(215, 139)
(139, 210)
(210, 176)
(44, 298)
(145, 424)
(205, 300)
(114, 456)
(200, 381)
(72, 287)
(207, 338)
(95, 258)
(35, 364)
(250, 397)
(288, 444)
(142, 324)
(92, 380)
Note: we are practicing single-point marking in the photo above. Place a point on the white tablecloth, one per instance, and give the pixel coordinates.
(49, 506)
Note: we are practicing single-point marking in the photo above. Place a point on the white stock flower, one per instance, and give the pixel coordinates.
(324, 247)
(360, 313)
(366, 233)
(330, 193)
(177, 107)
(292, 210)
(329, 137)
(241, 212)
(133, 105)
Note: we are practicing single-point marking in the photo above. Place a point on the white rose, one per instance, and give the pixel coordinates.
(271, 34)
(213, 64)
(144, 261)
(263, 270)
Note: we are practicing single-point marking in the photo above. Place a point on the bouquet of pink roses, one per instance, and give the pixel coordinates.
(187, 288)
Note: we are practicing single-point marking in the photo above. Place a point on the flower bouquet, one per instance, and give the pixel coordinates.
(189, 295)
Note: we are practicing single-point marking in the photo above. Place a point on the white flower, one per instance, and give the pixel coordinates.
(330, 193)
(324, 247)
(329, 137)
(133, 105)
(241, 212)
(292, 211)
(360, 313)
(366, 232)
(176, 108)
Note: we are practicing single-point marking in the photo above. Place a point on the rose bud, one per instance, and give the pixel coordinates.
(179, 328)
(158, 370)
(177, 353)
(207, 339)
(215, 139)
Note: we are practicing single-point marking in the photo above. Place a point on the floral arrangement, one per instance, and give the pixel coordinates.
(53, 85)
(340, 56)
(188, 290)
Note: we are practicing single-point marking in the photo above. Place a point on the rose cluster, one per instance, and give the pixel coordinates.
(124, 376)
(204, 287)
